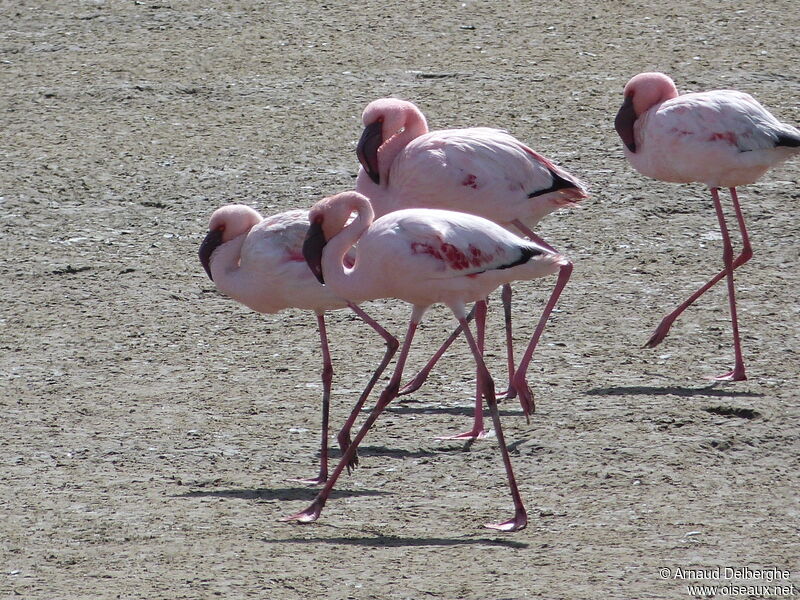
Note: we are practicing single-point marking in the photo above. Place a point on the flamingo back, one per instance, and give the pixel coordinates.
(272, 274)
(481, 171)
(443, 256)
(723, 138)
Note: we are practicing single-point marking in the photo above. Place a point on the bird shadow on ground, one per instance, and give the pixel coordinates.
(401, 453)
(458, 446)
(672, 390)
(396, 541)
(467, 411)
(386, 451)
(285, 493)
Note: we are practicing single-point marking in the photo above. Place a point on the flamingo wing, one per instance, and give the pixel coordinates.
(278, 239)
(725, 117)
(482, 159)
(451, 244)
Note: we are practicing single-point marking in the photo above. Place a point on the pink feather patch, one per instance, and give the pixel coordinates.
(453, 256)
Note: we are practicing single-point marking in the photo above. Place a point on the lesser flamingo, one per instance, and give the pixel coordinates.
(435, 256)
(722, 138)
(259, 263)
(477, 170)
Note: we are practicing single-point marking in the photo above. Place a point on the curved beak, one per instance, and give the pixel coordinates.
(367, 149)
(312, 250)
(624, 121)
(212, 241)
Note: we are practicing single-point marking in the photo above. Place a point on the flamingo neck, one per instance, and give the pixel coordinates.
(380, 196)
(412, 127)
(225, 266)
(343, 280)
(654, 90)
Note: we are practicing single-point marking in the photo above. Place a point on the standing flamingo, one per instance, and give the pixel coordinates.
(423, 256)
(478, 170)
(259, 263)
(722, 138)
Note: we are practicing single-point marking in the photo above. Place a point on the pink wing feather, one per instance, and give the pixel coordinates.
(460, 243)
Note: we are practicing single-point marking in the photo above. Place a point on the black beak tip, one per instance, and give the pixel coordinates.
(624, 124)
(211, 242)
(367, 149)
(208, 272)
(312, 250)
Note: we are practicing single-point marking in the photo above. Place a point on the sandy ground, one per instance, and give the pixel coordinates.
(150, 425)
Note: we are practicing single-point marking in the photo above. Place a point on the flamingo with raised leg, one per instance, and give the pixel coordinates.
(259, 262)
(722, 138)
(478, 170)
(435, 256)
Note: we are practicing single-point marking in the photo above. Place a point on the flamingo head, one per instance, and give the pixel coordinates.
(641, 93)
(383, 119)
(327, 218)
(226, 223)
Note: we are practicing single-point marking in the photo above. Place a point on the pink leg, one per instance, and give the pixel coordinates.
(520, 519)
(477, 432)
(737, 374)
(511, 392)
(528, 233)
(422, 376)
(526, 397)
(327, 379)
(312, 512)
(391, 347)
(506, 297)
(747, 253)
(519, 377)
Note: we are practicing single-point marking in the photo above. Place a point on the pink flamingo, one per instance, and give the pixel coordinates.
(722, 138)
(259, 263)
(478, 170)
(435, 256)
